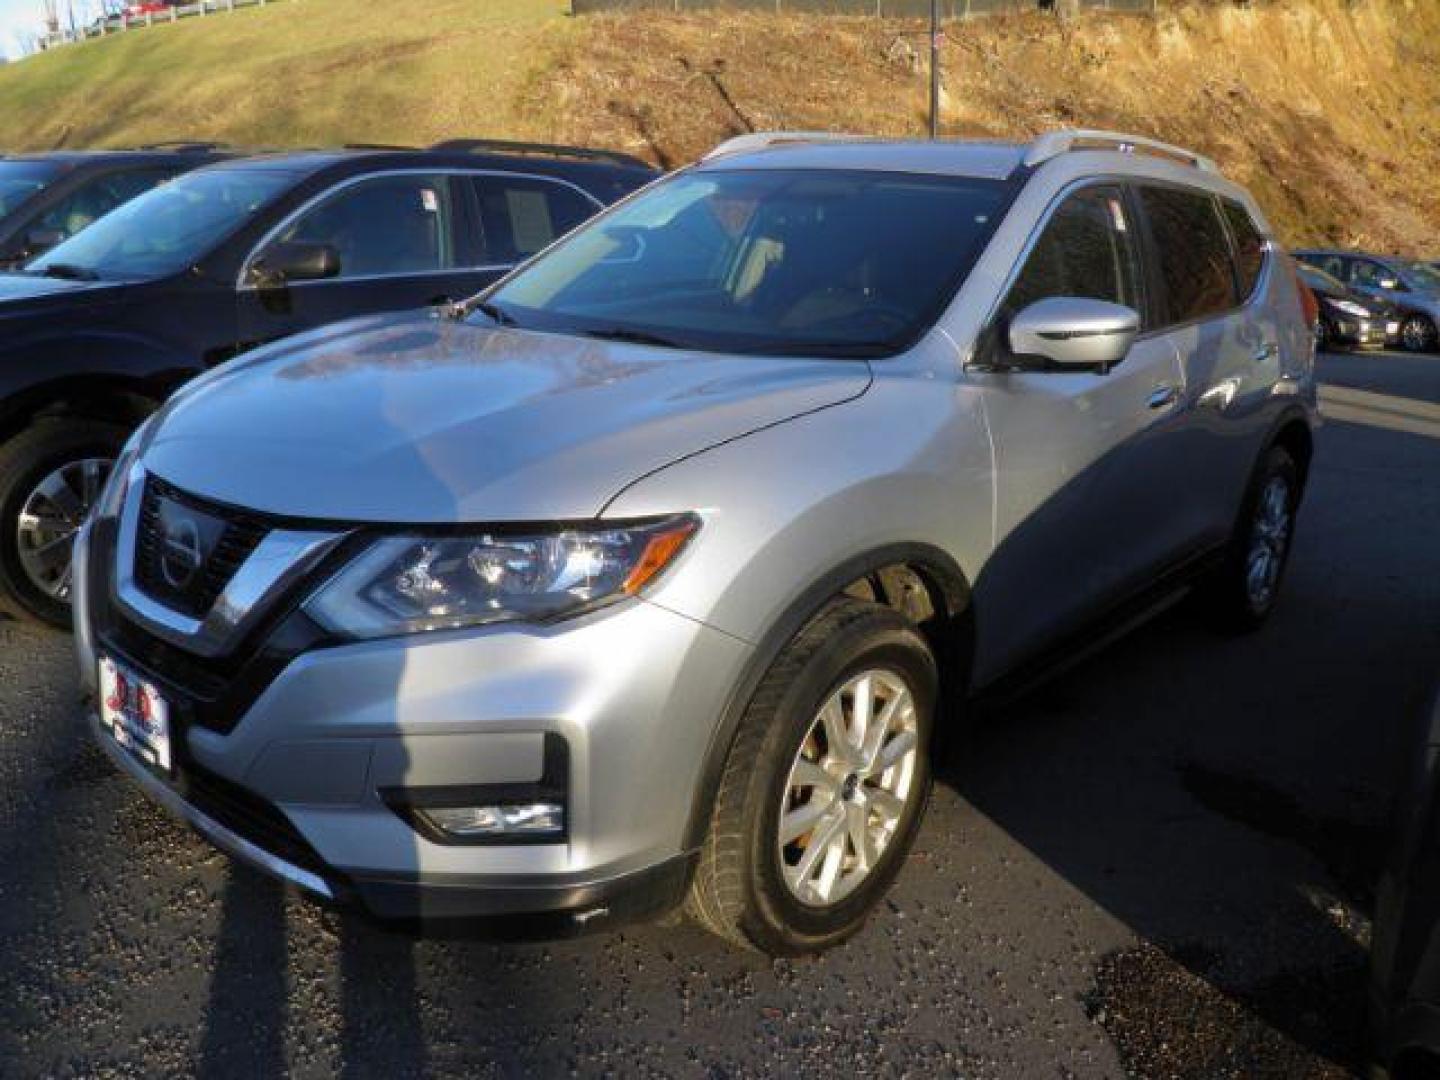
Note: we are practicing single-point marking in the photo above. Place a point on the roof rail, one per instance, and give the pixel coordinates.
(197, 146)
(376, 146)
(506, 146)
(760, 140)
(1054, 143)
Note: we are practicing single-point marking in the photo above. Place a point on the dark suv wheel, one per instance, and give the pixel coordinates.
(824, 788)
(50, 476)
(1417, 334)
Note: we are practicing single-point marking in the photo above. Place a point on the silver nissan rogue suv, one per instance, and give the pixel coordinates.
(654, 574)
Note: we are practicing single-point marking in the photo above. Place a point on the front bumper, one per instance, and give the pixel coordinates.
(296, 782)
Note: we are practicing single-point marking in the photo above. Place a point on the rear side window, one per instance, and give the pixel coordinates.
(1196, 275)
(1087, 250)
(1249, 246)
(521, 215)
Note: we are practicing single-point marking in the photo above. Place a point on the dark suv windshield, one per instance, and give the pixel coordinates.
(802, 262)
(168, 228)
(19, 180)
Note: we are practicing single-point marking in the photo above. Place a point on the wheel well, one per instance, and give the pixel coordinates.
(938, 604)
(1295, 437)
(113, 403)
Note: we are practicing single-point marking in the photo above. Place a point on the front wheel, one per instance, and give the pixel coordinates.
(1417, 334)
(824, 787)
(51, 475)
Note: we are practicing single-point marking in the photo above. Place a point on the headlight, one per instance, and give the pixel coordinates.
(1352, 308)
(408, 584)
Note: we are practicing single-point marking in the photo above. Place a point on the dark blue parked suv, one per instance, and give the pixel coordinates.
(95, 334)
(47, 198)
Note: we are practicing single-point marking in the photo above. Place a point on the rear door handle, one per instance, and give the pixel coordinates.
(1163, 395)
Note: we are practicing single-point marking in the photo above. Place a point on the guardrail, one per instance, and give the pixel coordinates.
(119, 24)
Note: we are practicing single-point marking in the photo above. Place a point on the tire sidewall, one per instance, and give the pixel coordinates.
(883, 641)
(1277, 462)
(17, 481)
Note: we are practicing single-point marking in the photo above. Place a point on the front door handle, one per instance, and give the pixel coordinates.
(1265, 352)
(1163, 394)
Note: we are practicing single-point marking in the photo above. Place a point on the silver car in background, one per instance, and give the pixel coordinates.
(654, 574)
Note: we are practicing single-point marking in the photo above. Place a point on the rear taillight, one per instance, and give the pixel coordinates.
(1308, 302)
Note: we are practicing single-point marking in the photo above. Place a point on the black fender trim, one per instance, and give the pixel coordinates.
(939, 566)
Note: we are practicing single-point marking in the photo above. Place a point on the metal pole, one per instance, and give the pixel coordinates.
(934, 69)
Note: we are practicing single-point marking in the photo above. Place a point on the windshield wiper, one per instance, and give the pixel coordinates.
(70, 272)
(494, 312)
(632, 337)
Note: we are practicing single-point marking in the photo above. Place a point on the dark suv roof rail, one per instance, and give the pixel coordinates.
(184, 146)
(506, 146)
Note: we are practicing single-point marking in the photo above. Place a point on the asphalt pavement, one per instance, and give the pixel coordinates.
(1160, 864)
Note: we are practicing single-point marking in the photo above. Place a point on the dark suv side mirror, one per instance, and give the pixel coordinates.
(295, 260)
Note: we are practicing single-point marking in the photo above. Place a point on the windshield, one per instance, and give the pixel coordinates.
(1422, 276)
(19, 180)
(167, 229)
(798, 262)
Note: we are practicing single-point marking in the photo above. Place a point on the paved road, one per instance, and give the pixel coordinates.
(1160, 864)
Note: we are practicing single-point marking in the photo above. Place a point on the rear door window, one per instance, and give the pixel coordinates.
(1197, 277)
(520, 215)
(1249, 246)
(1087, 250)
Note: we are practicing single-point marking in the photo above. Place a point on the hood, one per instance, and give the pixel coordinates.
(25, 292)
(420, 419)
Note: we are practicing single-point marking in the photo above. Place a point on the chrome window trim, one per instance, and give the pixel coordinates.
(241, 286)
(278, 562)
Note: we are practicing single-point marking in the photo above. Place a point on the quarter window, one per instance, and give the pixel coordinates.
(1370, 274)
(1249, 246)
(390, 225)
(1087, 250)
(1194, 254)
(522, 215)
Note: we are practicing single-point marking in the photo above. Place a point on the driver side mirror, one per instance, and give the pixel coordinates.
(295, 260)
(1071, 332)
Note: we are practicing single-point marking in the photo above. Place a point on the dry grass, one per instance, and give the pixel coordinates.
(1328, 109)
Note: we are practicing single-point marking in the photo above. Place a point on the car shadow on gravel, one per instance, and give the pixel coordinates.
(1226, 800)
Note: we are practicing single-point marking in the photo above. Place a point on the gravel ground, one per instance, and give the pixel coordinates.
(1158, 865)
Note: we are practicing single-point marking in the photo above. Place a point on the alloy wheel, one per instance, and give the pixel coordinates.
(1416, 333)
(849, 788)
(1269, 539)
(51, 516)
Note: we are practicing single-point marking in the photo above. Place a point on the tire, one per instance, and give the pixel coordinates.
(1233, 596)
(753, 889)
(1417, 334)
(40, 452)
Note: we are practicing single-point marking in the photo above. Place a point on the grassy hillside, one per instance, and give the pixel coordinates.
(1328, 109)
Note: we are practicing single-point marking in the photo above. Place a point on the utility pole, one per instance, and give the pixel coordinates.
(934, 69)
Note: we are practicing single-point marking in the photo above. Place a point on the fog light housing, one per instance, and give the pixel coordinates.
(537, 819)
(523, 812)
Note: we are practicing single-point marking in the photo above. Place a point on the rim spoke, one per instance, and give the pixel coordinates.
(819, 844)
(896, 749)
(51, 556)
(857, 823)
(862, 705)
(807, 773)
(56, 490)
(834, 859)
(886, 803)
(875, 737)
(833, 715)
(803, 819)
